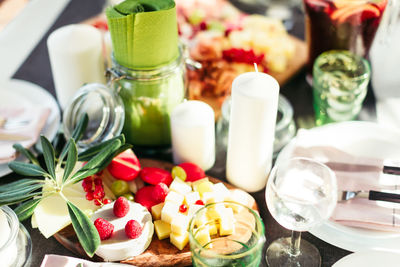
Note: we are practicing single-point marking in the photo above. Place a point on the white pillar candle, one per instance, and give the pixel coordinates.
(193, 134)
(251, 130)
(76, 58)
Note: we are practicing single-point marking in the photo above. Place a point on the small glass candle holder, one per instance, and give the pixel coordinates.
(17, 249)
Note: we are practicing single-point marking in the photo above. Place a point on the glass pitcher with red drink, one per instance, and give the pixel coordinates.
(341, 24)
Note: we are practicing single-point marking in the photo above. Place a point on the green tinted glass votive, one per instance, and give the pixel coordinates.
(211, 246)
(340, 84)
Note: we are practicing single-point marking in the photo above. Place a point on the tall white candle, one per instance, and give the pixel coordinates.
(251, 130)
(76, 58)
(193, 134)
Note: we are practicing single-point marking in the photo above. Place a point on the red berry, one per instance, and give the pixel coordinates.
(89, 196)
(106, 201)
(133, 229)
(104, 227)
(99, 193)
(125, 166)
(199, 202)
(144, 196)
(182, 208)
(97, 202)
(154, 176)
(193, 172)
(98, 181)
(121, 207)
(160, 191)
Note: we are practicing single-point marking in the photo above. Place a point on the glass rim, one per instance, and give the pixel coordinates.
(13, 222)
(259, 223)
(359, 59)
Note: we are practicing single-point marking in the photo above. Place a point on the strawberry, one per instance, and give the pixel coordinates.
(160, 191)
(133, 229)
(125, 166)
(193, 172)
(104, 227)
(144, 196)
(154, 176)
(121, 207)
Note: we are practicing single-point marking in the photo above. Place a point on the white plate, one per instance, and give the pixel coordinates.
(369, 259)
(19, 92)
(362, 139)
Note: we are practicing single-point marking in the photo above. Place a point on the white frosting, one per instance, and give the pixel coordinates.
(119, 246)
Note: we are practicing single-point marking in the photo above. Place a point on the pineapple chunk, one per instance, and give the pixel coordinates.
(180, 187)
(156, 211)
(196, 183)
(205, 187)
(227, 226)
(191, 198)
(163, 229)
(203, 236)
(174, 197)
(180, 224)
(169, 211)
(179, 241)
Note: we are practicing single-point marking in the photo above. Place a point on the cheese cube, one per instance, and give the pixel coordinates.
(221, 191)
(193, 209)
(201, 219)
(191, 198)
(212, 228)
(203, 237)
(205, 187)
(241, 197)
(227, 222)
(174, 197)
(156, 211)
(209, 197)
(179, 241)
(180, 187)
(169, 211)
(215, 211)
(196, 183)
(163, 229)
(180, 224)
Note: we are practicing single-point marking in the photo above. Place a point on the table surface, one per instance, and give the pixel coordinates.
(36, 69)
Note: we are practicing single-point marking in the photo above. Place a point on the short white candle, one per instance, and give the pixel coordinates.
(251, 130)
(193, 134)
(4, 228)
(8, 234)
(76, 58)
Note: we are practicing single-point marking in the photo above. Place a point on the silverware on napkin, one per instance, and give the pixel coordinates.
(371, 195)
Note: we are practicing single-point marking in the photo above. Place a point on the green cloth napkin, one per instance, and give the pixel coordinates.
(144, 33)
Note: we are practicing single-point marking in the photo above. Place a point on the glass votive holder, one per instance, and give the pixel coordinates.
(226, 234)
(17, 249)
(285, 128)
(340, 84)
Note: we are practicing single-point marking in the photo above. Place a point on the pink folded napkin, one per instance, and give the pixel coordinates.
(64, 261)
(25, 125)
(357, 173)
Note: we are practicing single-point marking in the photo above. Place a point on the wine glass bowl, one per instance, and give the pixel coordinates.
(301, 193)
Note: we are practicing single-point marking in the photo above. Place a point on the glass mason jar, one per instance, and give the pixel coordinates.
(149, 96)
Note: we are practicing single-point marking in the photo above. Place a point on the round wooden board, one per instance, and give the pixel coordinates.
(160, 252)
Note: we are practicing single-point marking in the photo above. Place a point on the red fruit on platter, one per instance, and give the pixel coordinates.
(133, 229)
(121, 207)
(182, 208)
(193, 172)
(160, 191)
(144, 196)
(125, 166)
(104, 227)
(154, 176)
(199, 202)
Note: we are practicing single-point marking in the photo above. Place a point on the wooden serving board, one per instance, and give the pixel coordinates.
(160, 252)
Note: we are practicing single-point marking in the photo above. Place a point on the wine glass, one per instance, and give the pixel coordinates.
(301, 193)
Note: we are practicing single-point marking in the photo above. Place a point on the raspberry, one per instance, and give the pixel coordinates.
(133, 229)
(104, 227)
(121, 207)
(182, 208)
(199, 202)
(160, 191)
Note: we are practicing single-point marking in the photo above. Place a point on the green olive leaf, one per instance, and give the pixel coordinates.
(71, 160)
(26, 209)
(49, 156)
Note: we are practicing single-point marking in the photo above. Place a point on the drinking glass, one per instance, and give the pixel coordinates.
(301, 193)
(340, 84)
(211, 243)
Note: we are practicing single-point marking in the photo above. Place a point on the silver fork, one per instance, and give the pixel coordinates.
(370, 194)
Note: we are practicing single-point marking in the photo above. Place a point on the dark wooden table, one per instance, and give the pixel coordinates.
(36, 69)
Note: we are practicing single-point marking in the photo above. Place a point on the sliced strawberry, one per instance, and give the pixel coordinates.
(154, 176)
(145, 197)
(193, 172)
(356, 14)
(125, 166)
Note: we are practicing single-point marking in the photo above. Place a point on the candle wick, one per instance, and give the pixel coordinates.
(255, 67)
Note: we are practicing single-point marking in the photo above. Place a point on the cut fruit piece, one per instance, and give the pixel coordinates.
(125, 166)
(355, 13)
(193, 172)
(205, 187)
(144, 197)
(163, 229)
(154, 176)
(195, 184)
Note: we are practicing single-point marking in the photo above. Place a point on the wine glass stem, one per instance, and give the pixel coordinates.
(295, 243)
